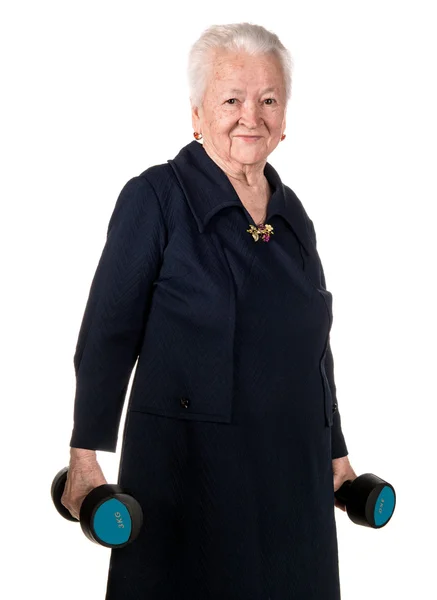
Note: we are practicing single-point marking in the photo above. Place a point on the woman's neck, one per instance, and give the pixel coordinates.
(249, 178)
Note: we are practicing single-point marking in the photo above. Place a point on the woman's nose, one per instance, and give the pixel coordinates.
(250, 115)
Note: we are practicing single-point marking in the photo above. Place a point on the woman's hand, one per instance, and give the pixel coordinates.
(342, 471)
(84, 474)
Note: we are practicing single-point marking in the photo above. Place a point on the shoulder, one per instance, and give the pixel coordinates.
(141, 197)
(159, 177)
(150, 187)
(160, 180)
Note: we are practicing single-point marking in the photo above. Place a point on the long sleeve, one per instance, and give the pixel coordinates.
(338, 444)
(114, 319)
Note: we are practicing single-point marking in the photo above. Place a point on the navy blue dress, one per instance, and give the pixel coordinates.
(242, 510)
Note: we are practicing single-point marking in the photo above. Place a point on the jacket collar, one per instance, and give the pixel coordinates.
(208, 190)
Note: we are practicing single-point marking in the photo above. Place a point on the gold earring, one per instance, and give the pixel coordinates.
(197, 135)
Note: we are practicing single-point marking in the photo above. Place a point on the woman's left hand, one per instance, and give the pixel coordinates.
(342, 471)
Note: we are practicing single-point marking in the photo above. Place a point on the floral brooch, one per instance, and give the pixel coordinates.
(261, 232)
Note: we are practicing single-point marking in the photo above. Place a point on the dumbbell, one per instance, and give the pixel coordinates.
(108, 515)
(369, 500)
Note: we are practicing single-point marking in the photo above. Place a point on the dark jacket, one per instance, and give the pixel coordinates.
(162, 293)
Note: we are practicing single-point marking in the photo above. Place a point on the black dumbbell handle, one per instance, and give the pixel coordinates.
(342, 494)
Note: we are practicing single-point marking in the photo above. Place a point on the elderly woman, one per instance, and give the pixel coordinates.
(210, 277)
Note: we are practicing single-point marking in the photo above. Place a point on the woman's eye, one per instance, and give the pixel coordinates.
(230, 101)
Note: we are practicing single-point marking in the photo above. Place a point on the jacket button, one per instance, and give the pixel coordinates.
(184, 402)
(334, 407)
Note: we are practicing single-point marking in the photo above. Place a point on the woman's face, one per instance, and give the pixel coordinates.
(245, 95)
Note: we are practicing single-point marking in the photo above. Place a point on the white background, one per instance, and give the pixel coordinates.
(94, 93)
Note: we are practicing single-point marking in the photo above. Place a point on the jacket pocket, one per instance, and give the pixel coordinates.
(183, 407)
(181, 388)
(186, 362)
(171, 397)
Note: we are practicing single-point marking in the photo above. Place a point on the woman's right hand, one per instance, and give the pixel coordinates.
(84, 474)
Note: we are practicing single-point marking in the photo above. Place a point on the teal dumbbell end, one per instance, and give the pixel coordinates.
(369, 500)
(108, 516)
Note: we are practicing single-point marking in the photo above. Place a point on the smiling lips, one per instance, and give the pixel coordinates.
(249, 138)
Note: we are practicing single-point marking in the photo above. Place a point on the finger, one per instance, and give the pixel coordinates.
(73, 508)
(340, 505)
(72, 512)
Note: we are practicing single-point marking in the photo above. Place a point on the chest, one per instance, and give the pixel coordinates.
(217, 289)
(258, 215)
(255, 203)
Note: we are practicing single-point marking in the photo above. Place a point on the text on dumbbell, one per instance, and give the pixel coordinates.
(119, 520)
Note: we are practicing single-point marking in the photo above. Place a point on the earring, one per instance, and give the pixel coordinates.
(282, 137)
(197, 135)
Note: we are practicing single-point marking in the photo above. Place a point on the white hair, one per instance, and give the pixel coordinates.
(253, 39)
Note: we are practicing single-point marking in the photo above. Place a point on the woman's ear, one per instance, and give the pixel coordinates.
(195, 117)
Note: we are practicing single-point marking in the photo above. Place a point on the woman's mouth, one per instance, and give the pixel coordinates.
(249, 138)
